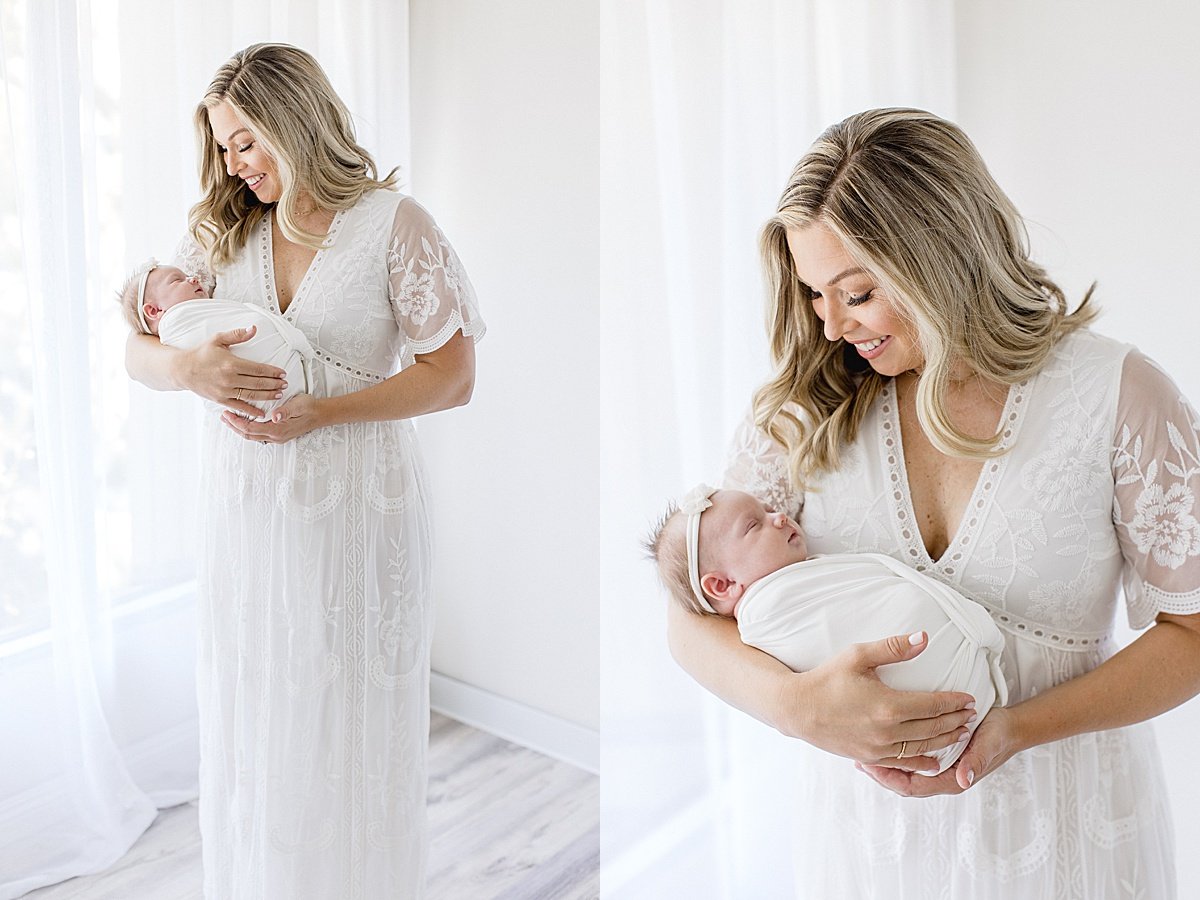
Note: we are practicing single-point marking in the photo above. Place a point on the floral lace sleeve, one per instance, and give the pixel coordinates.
(758, 466)
(190, 258)
(1156, 466)
(429, 291)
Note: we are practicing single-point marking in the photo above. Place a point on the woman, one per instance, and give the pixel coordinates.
(934, 400)
(315, 603)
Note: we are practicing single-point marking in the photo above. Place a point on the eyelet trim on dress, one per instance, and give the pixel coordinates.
(269, 269)
(913, 551)
(269, 278)
(1165, 601)
(1078, 641)
(342, 366)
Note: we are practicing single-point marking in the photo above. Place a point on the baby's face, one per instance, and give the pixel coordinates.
(744, 541)
(168, 285)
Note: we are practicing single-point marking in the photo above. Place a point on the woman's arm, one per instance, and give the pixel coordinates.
(840, 706)
(1155, 673)
(438, 380)
(210, 370)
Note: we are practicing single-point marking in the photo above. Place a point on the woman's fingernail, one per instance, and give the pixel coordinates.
(279, 396)
(964, 736)
(970, 776)
(915, 637)
(970, 705)
(974, 716)
(284, 384)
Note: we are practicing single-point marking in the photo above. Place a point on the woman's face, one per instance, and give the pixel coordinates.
(850, 302)
(244, 156)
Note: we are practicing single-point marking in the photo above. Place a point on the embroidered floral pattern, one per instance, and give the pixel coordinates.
(416, 292)
(1073, 468)
(416, 297)
(1164, 525)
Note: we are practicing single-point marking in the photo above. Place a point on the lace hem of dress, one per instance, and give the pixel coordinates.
(475, 329)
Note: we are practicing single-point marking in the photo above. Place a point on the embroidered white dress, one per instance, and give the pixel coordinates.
(1098, 493)
(314, 611)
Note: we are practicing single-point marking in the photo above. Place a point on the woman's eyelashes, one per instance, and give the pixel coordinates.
(852, 300)
(246, 149)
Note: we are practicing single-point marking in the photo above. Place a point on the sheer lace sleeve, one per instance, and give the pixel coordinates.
(758, 466)
(189, 257)
(430, 294)
(1156, 466)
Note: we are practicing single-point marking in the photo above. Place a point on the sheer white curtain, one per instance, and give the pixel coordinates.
(708, 106)
(97, 476)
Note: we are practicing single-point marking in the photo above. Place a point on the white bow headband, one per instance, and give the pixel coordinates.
(144, 271)
(692, 505)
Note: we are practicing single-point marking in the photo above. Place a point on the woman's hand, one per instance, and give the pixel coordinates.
(216, 374)
(850, 712)
(994, 743)
(296, 417)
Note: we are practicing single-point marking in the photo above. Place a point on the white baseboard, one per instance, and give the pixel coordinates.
(516, 722)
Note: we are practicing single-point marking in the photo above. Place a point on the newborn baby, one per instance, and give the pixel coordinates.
(723, 553)
(163, 300)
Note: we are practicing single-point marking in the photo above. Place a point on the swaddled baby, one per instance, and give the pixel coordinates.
(163, 300)
(723, 553)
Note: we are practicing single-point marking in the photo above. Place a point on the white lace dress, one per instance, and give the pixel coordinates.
(314, 611)
(1097, 494)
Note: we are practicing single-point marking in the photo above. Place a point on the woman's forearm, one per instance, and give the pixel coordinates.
(439, 380)
(711, 651)
(1155, 673)
(152, 363)
(840, 705)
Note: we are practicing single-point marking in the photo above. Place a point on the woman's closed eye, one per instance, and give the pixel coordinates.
(850, 301)
(860, 299)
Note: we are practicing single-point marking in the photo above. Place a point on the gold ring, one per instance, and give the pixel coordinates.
(903, 747)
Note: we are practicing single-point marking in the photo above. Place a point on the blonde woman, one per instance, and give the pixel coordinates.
(935, 400)
(314, 612)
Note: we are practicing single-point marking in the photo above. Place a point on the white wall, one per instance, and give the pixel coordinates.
(1086, 114)
(505, 151)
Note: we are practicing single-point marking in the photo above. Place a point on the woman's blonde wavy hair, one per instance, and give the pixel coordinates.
(911, 200)
(282, 95)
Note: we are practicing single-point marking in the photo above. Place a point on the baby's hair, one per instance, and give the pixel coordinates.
(667, 546)
(127, 297)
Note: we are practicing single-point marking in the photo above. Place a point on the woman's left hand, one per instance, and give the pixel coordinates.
(993, 744)
(296, 417)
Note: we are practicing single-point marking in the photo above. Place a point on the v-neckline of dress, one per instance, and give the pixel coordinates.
(268, 264)
(915, 553)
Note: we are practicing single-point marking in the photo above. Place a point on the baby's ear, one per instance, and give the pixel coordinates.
(720, 587)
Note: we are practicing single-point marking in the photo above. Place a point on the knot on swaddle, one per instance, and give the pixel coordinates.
(296, 340)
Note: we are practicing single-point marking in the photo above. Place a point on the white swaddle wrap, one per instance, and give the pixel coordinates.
(276, 341)
(805, 613)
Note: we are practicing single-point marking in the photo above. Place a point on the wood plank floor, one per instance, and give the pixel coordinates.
(506, 823)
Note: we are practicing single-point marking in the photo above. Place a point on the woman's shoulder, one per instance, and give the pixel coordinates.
(1086, 343)
(1086, 361)
(395, 211)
